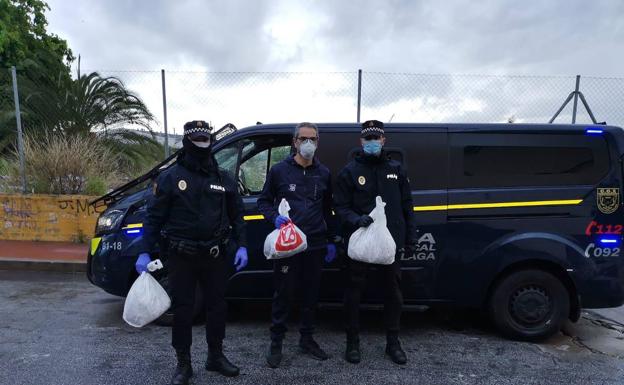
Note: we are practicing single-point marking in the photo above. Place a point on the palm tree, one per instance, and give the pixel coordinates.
(88, 105)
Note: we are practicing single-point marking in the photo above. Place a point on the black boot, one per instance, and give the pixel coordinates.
(184, 370)
(393, 349)
(352, 354)
(309, 346)
(274, 356)
(217, 362)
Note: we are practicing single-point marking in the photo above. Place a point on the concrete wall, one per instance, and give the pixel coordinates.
(67, 218)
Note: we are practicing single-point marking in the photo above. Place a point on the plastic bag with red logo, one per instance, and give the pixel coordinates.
(286, 241)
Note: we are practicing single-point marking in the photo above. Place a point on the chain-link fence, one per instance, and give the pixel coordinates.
(137, 100)
(246, 98)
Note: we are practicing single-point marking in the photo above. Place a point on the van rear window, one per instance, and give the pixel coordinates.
(530, 164)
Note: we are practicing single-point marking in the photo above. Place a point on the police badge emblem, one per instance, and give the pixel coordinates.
(608, 200)
(182, 185)
(361, 180)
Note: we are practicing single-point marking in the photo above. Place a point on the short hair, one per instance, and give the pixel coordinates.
(301, 125)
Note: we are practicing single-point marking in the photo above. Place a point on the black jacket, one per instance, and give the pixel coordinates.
(361, 181)
(308, 192)
(194, 200)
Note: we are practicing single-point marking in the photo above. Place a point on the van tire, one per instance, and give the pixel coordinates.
(529, 305)
(198, 309)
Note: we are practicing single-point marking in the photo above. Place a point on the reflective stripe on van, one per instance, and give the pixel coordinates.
(499, 205)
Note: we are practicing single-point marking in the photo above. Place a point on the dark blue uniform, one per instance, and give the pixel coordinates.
(196, 207)
(308, 192)
(357, 185)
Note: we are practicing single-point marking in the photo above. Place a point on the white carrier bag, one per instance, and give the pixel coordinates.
(287, 240)
(146, 300)
(373, 244)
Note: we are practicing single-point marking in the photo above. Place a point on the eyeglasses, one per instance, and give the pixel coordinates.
(372, 137)
(201, 139)
(312, 139)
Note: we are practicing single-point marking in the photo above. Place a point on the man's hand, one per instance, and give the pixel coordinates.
(331, 253)
(240, 261)
(280, 220)
(364, 221)
(141, 262)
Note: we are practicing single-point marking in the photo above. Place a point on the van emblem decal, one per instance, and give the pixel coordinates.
(361, 180)
(182, 185)
(608, 200)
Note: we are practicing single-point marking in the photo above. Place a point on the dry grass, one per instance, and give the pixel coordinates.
(58, 164)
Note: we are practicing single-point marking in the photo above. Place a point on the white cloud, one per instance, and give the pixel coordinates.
(453, 37)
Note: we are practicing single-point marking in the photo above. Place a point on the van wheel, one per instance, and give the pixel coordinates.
(198, 309)
(529, 305)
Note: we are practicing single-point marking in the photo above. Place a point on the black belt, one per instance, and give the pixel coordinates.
(194, 248)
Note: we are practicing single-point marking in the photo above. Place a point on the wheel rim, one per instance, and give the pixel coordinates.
(530, 306)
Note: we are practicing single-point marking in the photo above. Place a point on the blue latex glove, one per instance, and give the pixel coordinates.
(331, 253)
(280, 220)
(141, 262)
(241, 258)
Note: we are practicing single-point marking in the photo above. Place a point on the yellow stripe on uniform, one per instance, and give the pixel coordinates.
(498, 205)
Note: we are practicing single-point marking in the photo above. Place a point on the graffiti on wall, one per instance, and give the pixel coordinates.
(48, 217)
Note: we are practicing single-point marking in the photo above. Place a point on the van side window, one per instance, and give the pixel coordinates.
(511, 160)
(227, 158)
(258, 155)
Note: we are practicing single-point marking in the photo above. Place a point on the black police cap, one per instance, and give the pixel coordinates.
(197, 128)
(372, 127)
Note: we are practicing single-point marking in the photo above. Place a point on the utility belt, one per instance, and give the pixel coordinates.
(187, 247)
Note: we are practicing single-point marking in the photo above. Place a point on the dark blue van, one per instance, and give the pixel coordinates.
(524, 221)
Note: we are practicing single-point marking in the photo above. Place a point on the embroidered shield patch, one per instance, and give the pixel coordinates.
(608, 200)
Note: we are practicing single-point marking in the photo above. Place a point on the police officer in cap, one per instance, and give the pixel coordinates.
(369, 175)
(197, 210)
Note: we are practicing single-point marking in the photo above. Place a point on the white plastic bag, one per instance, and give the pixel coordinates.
(146, 300)
(373, 244)
(287, 240)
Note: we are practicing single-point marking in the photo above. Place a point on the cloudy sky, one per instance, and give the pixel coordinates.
(543, 44)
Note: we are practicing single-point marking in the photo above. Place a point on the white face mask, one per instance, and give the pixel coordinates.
(307, 149)
(205, 144)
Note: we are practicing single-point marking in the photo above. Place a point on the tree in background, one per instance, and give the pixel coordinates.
(39, 57)
(97, 106)
(54, 103)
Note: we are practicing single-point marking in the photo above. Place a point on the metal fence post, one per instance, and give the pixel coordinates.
(164, 96)
(359, 95)
(576, 94)
(20, 138)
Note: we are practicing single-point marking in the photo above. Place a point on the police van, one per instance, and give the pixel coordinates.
(524, 221)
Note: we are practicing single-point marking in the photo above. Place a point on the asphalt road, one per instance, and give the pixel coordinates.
(57, 328)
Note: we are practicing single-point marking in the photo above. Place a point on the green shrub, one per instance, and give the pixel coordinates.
(95, 186)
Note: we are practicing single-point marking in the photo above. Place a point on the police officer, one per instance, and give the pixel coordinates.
(369, 175)
(306, 185)
(198, 211)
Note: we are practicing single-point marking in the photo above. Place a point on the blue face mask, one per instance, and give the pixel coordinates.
(372, 147)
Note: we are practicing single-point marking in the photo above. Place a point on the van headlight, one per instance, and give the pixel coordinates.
(109, 221)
